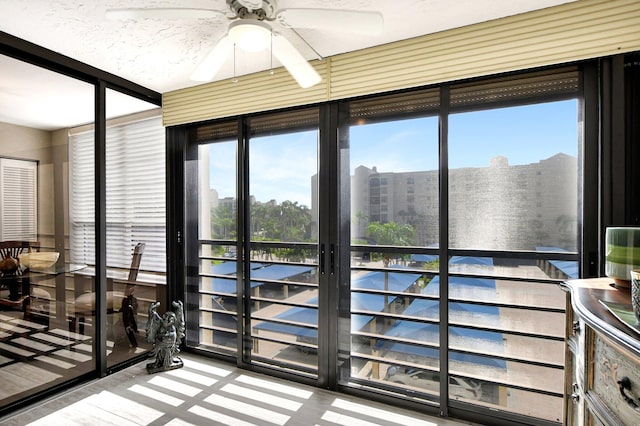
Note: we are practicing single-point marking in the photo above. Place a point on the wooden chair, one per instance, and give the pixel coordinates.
(84, 305)
(15, 248)
(11, 281)
(135, 261)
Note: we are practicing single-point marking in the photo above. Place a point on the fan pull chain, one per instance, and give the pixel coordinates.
(319, 56)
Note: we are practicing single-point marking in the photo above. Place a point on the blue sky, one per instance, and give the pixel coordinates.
(281, 166)
(523, 134)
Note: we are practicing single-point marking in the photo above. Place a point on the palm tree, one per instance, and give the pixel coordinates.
(223, 222)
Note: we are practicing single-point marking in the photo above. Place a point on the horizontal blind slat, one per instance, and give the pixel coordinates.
(135, 193)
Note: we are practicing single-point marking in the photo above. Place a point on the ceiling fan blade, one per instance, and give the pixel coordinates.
(163, 13)
(251, 4)
(294, 62)
(353, 21)
(211, 64)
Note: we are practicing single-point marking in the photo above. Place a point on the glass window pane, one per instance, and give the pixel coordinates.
(218, 202)
(513, 177)
(283, 287)
(217, 324)
(44, 343)
(394, 191)
(136, 223)
(218, 299)
(513, 186)
(394, 182)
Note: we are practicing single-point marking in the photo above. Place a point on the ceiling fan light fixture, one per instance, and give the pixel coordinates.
(250, 35)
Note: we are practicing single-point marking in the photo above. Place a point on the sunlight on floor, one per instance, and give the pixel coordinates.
(389, 416)
(158, 396)
(267, 384)
(205, 392)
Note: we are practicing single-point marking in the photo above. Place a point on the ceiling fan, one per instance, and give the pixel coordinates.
(251, 30)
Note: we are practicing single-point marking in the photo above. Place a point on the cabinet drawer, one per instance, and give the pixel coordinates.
(611, 365)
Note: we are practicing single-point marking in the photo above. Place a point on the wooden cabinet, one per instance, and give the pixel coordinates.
(602, 357)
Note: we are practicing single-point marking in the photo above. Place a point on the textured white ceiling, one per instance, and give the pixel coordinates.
(161, 54)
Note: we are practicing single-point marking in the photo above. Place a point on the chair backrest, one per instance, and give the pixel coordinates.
(15, 248)
(135, 261)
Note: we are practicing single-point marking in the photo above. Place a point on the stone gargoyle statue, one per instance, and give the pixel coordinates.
(166, 333)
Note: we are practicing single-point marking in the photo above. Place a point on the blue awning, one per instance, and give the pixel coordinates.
(359, 321)
(227, 285)
(223, 285)
(299, 314)
(369, 302)
(471, 260)
(568, 267)
(224, 268)
(423, 332)
(293, 330)
(229, 268)
(382, 280)
(428, 333)
(424, 258)
(458, 283)
(427, 308)
(472, 333)
(279, 272)
(413, 330)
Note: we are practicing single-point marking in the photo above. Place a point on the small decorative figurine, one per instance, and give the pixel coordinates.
(166, 333)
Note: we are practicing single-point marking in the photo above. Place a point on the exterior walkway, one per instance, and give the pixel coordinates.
(210, 392)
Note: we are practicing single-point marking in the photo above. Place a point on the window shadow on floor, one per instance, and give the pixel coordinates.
(209, 392)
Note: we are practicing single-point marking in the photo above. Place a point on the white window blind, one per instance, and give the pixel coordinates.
(18, 199)
(135, 194)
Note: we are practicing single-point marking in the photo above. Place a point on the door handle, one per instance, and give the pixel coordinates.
(625, 384)
(332, 258)
(322, 259)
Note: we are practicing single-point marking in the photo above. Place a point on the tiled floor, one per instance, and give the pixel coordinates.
(211, 393)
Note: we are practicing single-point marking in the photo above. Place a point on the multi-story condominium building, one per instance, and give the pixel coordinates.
(540, 213)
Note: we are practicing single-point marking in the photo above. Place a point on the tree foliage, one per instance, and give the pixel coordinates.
(288, 221)
(392, 234)
(223, 222)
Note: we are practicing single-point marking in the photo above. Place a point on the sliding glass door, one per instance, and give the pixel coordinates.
(40, 347)
(215, 290)
(135, 225)
(269, 182)
(513, 200)
(406, 245)
(282, 234)
(394, 256)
